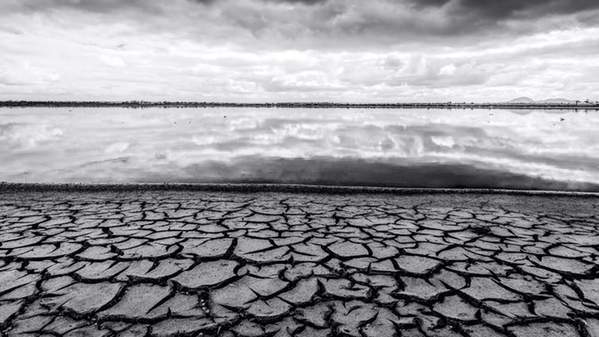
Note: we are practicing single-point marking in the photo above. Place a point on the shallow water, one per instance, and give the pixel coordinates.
(389, 147)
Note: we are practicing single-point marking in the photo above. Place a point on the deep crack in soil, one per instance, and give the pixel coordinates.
(276, 264)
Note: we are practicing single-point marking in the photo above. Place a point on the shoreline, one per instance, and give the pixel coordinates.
(312, 105)
(278, 188)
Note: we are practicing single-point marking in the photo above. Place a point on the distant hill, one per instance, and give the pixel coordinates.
(522, 100)
(528, 100)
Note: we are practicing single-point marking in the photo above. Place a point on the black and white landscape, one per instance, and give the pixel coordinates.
(290, 50)
(298, 168)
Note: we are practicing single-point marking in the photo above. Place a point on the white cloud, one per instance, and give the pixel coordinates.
(251, 50)
(447, 70)
(28, 136)
(117, 148)
(113, 61)
(443, 141)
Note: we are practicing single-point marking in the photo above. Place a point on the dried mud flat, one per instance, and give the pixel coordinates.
(276, 264)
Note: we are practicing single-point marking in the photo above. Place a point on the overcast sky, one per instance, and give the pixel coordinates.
(299, 50)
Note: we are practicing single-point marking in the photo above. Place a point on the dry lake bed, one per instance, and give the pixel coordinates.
(275, 264)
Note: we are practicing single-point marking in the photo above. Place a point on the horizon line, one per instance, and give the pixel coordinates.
(585, 105)
(276, 188)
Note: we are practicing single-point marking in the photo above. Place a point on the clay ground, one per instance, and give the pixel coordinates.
(275, 264)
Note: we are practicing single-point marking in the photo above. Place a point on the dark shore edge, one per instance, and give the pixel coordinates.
(279, 188)
(582, 106)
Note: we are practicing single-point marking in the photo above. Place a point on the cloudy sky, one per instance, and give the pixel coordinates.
(281, 50)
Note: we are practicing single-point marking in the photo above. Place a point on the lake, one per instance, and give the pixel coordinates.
(523, 149)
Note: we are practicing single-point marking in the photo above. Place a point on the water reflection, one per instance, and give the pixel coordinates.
(433, 148)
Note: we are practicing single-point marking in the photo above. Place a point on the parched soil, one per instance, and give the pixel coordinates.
(277, 264)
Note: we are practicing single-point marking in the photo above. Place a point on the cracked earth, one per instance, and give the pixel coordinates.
(272, 264)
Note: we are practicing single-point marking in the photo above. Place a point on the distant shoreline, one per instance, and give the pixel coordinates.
(6, 187)
(313, 105)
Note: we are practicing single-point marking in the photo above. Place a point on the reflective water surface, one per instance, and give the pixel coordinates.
(415, 148)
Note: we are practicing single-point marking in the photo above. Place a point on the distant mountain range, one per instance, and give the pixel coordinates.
(528, 100)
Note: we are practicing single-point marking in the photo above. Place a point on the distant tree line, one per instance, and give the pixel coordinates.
(583, 105)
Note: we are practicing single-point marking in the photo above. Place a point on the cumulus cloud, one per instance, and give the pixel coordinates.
(313, 22)
(110, 146)
(256, 50)
(84, 5)
(513, 8)
(27, 136)
(118, 147)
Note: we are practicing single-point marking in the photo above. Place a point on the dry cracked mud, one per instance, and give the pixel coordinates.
(275, 264)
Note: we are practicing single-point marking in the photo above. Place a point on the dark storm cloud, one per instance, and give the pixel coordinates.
(99, 6)
(305, 2)
(356, 50)
(510, 8)
(475, 17)
(485, 8)
(471, 13)
(370, 21)
(143, 5)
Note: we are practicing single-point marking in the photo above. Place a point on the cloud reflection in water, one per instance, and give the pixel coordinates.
(424, 148)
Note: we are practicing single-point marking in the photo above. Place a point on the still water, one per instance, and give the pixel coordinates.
(528, 149)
